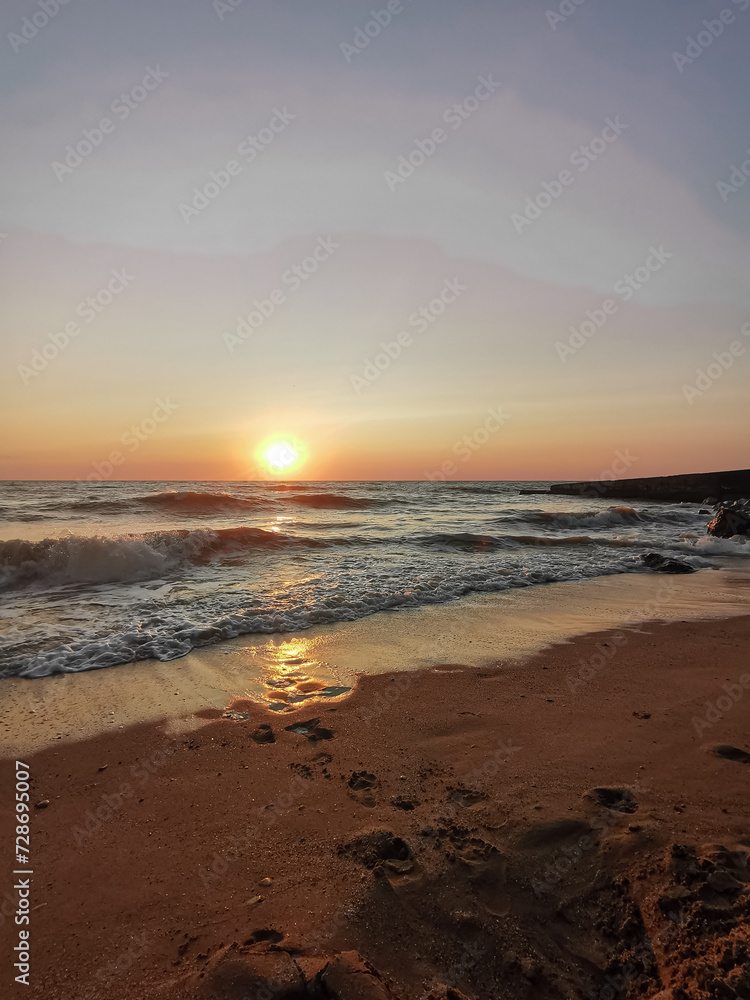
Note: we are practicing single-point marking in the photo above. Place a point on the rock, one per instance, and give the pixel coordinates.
(265, 881)
(662, 564)
(42, 805)
(263, 734)
(731, 519)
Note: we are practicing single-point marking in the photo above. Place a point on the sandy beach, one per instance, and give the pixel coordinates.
(561, 823)
(375, 501)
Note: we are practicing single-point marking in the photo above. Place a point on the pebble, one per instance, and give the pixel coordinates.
(42, 805)
(265, 881)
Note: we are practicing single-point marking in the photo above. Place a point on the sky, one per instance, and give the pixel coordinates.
(465, 240)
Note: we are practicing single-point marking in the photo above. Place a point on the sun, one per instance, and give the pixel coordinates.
(280, 455)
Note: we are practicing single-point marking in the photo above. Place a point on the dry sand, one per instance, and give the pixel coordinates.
(437, 833)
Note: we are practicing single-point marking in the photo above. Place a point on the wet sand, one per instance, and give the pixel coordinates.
(286, 669)
(567, 825)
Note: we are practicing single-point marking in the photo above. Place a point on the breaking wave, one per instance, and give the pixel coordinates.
(98, 559)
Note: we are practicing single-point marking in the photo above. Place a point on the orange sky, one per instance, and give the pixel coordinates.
(370, 290)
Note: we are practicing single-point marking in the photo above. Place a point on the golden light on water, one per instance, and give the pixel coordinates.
(281, 455)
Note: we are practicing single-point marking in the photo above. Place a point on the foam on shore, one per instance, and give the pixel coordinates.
(283, 670)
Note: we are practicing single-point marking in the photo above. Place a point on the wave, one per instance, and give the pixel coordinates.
(710, 545)
(493, 490)
(284, 487)
(129, 558)
(173, 628)
(93, 506)
(196, 503)
(473, 542)
(611, 517)
(199, 503)
(334, 501)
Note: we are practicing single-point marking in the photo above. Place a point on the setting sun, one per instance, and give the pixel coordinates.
(279, 456)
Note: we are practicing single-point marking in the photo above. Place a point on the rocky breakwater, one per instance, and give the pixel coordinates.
(695, 488)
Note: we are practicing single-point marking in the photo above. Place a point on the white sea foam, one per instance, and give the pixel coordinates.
(119, 574)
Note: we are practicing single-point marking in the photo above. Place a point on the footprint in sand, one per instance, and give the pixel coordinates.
(269, 935)
(311, 729)
(381, 851)
(486, 870)
(731, 753)
(465, 797)
(619, 799)
(361, 785)
(406, 804)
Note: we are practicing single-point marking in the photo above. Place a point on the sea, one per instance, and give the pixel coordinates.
(94, 575)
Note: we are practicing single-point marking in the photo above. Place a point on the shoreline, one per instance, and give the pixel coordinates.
(476, 630)
(442, 823)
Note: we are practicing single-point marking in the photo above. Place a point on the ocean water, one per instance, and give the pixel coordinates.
(98, 574)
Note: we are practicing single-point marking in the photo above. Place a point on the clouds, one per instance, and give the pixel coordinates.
(151, 193)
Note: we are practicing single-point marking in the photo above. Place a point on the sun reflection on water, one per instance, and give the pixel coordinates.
(285, 673)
